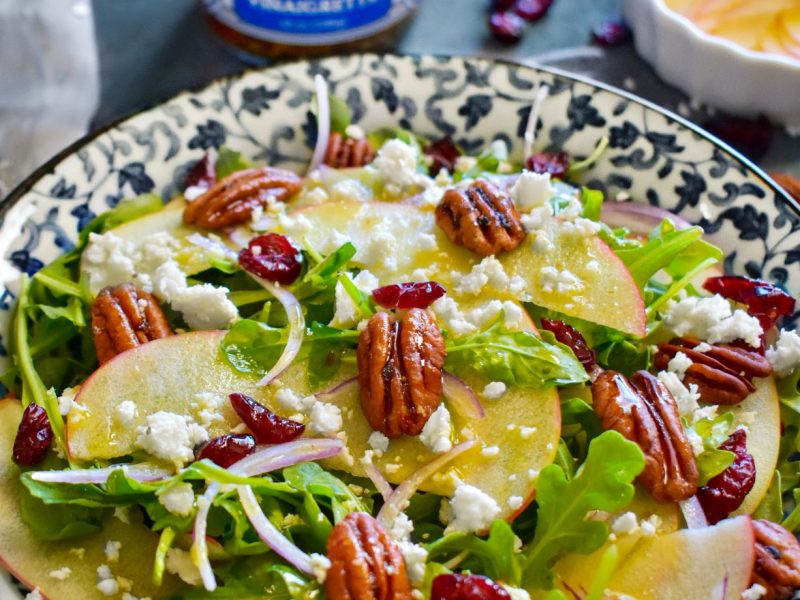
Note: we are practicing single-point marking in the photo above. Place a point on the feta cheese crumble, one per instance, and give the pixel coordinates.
(319, 567)
(106, 583)
(34, 594)
(471, 509)
(754, 592)
(346, 312)
(326, 419)
(686, 398)
(514, 502)
(784, 356)
(61, 574)
(378, 442)
(712, 319)
(488, 272)
(494, 390)
(112, 551)
(66, 400)
(625, 524)
(562, 281)
(415, 557)
(125, 413)
(170, 437)
(397, 163)
(679, 364)
(436, 432)
(531, 190)
(179, 563)
(179, 500)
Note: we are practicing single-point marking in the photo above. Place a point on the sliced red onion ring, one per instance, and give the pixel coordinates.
(269, 534)
(212, 246)
(399, 499)
(323, 122)
(378, 480)
(140, 473)
(297, 327)
(693, 513)
(638, 218)
(461, 397)
(533, 119)
(347, 386)
(263, 460)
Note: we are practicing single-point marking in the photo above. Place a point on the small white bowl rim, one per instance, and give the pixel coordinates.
(731, 47)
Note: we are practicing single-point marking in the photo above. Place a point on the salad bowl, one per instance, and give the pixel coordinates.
(643, 159)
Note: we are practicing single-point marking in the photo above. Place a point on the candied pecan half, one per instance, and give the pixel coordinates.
(481, 218)
(366, 563)
(343, 152)
(777, 565)
(124, 317)
(723, 374)
(644, 412)
(231, 201)
(400, 371)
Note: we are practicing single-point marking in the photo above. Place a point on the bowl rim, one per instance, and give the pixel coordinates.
(26, 185)
(734, 50)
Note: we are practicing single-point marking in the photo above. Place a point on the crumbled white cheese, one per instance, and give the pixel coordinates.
(436, 432)
(355, 132)
(106, 584)
(453, 319)
(517, 593)
(347, 313)
(123, 513)
(207, 406)
(685, 398)
(487, 272)
(754, 592)
(66, 400)
(514, 315)
(784, 356)
(650, 525)
(289, 400)
(179, 500)
(401, 528)
(514, 502)
(426, 241)
(319, 567)
(170, 437)
(494, 390)
(112, 551)
(625, 524)
(326, 419)
(61, 574)
(471, 509)
(695, 441)
(108, 260)
(415, 557)
(490, 451)
(526, 432)
(397, 164)
(378, 442)
(580, 227)
(562, 281)
(679, 364)
(34, 594)
(464, 163)
(705, 412)
(296, 226)
(179, 562)
(712, 319)
(531, 190)
(349, 189)
(125, 413)
(535, 219)
(205, 306)
(702, 347)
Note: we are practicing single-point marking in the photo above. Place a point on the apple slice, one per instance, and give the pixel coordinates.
(761, 410)
(164, 374)
(712, 562)
(31, 560)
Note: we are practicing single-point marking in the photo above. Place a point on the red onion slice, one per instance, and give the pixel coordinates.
(399, 499)
(263, 460)
(140, 473)
(638, 218)
(693, 513)
(463, 400)
(323, 122)
(533, 118)
(297, 328)
(213, 246)
(338, 389)
(378, 480)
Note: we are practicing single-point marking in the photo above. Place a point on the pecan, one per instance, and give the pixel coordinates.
(124, 317)
(365, 563)
(777, 565)
(644, 412)
(400, 371)
(232, 200)
(481, 218)
(723, 374)
(343, 152)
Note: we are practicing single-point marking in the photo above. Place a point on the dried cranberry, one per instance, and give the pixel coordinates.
(725, 493)
(444, 153)
(33, 436)
(272, 256)
(202, 174)
(506, 27)
(409, 295)
(532, 10)
(467, 587)
(764, 300)
(612, 32)
(267, 427)
(555, 163)
(569, 336)
(502, 5)
(227, 449)
(750, 136)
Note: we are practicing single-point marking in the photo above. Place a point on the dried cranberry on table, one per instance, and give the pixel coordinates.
(444, 153)
(33, 436)
(555, 163)
(532, 10)
(227, 449)
(467, 587)
(612, 32)
(506, 27)
(764, 300)
(202, 174)
(502, 5)
(267, 427)
(409, 295)
(273, 257)
(725, 492)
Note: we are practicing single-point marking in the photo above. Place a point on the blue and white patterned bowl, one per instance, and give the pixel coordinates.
(654, 156)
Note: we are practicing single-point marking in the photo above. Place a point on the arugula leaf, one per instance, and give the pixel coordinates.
(362, 300)
(579, 426)
(72, 312)
(771, 507)
(322, 277)
(229, 161)
(592, 201)
(322, 484)
(604, 482)
(713, 432)
(518, 358)
(340, 114)
(58, 522)
(490, 160)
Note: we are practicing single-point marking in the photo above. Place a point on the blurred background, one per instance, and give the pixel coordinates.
(71, 66)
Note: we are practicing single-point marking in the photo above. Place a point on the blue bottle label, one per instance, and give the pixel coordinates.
(311, 16)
